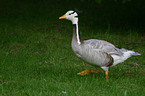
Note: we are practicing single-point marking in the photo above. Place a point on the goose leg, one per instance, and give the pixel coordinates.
(106, 73)
(84, 72)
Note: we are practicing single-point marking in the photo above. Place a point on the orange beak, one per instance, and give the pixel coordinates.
(62, 17)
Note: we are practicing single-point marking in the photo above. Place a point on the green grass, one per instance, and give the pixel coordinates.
(36, 58)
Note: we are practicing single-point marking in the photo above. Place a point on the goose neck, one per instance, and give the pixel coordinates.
(76, 33)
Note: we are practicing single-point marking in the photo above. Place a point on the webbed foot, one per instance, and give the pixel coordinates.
(83, 72)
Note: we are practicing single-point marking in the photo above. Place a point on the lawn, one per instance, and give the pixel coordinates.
(36, 58)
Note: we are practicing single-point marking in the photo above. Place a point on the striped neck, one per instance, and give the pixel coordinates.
(76, 33)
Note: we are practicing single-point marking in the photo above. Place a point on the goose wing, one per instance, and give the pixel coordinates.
(103, 46)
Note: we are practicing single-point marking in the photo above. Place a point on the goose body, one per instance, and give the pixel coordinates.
(98, 53)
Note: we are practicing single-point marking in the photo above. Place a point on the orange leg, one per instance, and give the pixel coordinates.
(94, 71)
(106, 73)
(83, 72)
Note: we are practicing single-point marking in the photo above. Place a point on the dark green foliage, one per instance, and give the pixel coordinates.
(100, 1)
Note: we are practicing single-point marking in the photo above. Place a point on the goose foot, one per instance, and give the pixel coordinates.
(87, 72)
(94, 71)
(83, 72)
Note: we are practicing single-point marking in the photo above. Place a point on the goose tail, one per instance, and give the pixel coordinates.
(130, 52)
(135, 53)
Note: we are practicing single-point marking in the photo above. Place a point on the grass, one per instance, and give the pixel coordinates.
(36, 58)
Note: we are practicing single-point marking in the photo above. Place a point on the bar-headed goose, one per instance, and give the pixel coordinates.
(98, 53)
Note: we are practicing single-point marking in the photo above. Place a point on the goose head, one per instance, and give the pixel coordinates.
(70, 15)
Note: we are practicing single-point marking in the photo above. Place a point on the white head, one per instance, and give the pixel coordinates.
(70, 15)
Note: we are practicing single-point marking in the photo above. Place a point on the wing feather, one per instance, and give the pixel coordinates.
(102, 46)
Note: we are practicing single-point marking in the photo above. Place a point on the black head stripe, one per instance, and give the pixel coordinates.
(72, 13)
